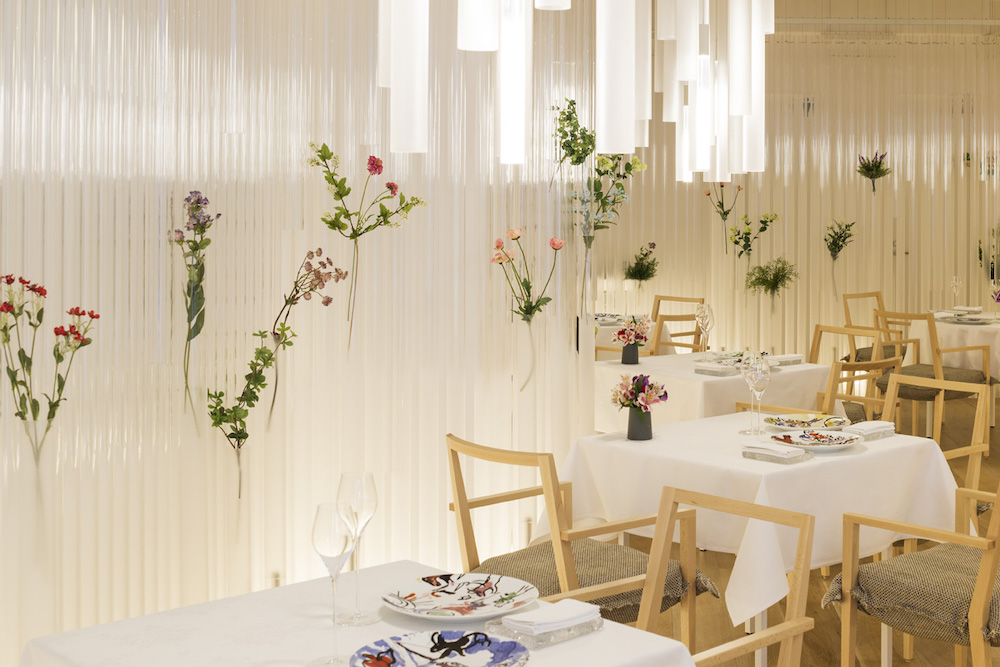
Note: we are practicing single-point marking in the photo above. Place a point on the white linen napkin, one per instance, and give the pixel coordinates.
(562, 614)
(774, 449)
(871, 428)
(785, 359)
(969, 309)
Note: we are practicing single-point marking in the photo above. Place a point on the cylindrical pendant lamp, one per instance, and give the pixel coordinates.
(384, 41)
(615, 94)
(408, 97)
(513, 79)
(666, 19)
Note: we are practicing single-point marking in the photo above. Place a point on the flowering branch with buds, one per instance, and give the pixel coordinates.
(310, 280)
(717, 195)
(25, 299)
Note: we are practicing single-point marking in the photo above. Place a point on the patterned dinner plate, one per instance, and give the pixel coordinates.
(446, 647)
(974, 321)
(818, 440)
(730, 354)
(461, 597)
(807, 420)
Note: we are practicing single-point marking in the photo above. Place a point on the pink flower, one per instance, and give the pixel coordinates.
(374, 165)
(739, 188)
(556, 244)
(498, 244)
(393, 188)
(500, 258)
(707, 193)
(513, 234)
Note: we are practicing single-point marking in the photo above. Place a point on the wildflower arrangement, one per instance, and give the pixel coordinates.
(199, 221)
(637, 392)
(388, 208)
(840, 233)
(519, 280)
(717, 195)
(743, 236)
(644, 265)
(22, 310)
(635, 331)
(309, 281)
(772, 277)
(873, 168)
(576, 143)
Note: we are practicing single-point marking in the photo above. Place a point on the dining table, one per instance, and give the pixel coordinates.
(979, 329)
(897, 477)
(292, 625)
(693, 394)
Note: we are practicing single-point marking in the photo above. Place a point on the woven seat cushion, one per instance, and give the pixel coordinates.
(865, 353)
(856, 412)
(926, 593)
(596, 563)
(969, 375)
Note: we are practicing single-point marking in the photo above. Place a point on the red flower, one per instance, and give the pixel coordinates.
(37, 289)
(92, 315)
(393, 188)
(374, 165)
(6, 308)
(22, 280)
(9, 279)
(77, 311)
(60, 331)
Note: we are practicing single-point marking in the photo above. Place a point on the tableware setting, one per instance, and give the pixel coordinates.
(548, 625)
(756, 372)
(334, 544)
(455, 648)
(357, 501)
(793, 422)
(817, 440)
(458, 597)
(705, 319)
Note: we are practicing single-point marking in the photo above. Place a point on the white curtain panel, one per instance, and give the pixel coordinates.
(111, 112)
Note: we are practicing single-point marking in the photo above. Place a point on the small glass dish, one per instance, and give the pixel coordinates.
(496, 627)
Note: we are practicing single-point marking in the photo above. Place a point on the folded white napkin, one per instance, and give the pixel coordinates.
(939, 314)
(774, 449)
(785, 359)
(562, 614)
(870, 428)
(715, 368)
(969, 309)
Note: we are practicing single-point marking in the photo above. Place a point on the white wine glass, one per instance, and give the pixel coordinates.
(747, 363)
(956, 287)
(995, 298)
(705, 318)
(333, 542)
(356, 504)
(761, 378)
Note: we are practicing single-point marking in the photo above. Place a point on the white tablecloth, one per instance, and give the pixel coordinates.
(693, 395)
(901, 477)
(957, 335)
(291, 625)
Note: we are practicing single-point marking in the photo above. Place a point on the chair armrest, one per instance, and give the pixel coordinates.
(936, 534)
(974, 494)
(747, 645)
(967, 348)
(619, 526)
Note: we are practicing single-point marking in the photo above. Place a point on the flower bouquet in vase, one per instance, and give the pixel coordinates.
(634, 334)
(639, 394)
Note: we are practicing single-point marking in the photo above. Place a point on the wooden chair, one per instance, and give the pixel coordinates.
(858, 406)
(657, 344)
(690, 301)
(936, 369)
(870, 302)
(943, 593)
(842, 351)
(789, 632)
(572, 564)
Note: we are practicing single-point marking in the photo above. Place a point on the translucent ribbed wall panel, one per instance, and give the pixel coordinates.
(112, 111)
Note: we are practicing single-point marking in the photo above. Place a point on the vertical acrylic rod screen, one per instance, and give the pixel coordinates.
(615, 98)
(384, 42)
(478, 25)
(666, 19)
(514, 66)
(408, 98)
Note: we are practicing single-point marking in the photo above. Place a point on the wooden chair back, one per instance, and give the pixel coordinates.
(865, 302)
(895, 328)
(852, 336)
(658, 346)
(795, 623)
(980, 437)
(689, 301)
(558, 500)
(850, 373)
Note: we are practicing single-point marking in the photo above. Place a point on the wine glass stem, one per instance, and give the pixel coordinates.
(357, 576)
(333, 640)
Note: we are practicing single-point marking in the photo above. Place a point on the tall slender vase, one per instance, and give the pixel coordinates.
(640, 424)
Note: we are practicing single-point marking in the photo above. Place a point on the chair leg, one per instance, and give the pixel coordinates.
(909, 546)
(825, 571)
(961, 654)
(914, 417)
(938, 416)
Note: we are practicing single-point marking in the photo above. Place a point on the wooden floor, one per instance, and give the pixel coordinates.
(822, 644)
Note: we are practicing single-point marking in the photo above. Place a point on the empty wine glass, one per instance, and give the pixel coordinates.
(757, 373)
(995, 298)
(761, 378)
(705, 318)
(333, 542)
(956, 287)
(356, 504)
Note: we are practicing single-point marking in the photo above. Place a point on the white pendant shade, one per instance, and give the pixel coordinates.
(753, 128)
(643, 59)
(615, 94)
(666, 19)
(739, 57)
(687, 40)
(408, 98)
(478, 25)
(553, 4)
(672, 100)
(384, 40)
(513, 80)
